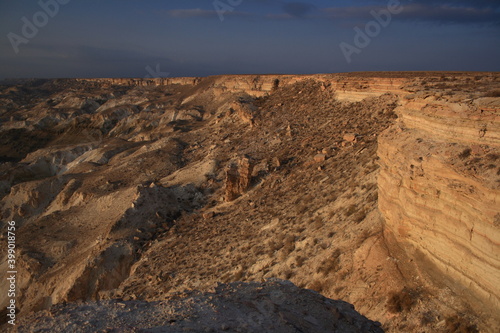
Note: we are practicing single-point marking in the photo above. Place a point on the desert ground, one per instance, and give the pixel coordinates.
(252, 203)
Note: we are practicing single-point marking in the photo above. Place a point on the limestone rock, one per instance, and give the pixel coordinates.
(238, 178)
(318, 158)
(439, 197)
(350, 137)
(245, 110)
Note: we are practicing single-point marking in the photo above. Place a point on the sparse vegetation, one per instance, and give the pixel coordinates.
(299, 261)
(331, 264)
(359, 216)
(402, 301)
(350, 210)
(456, 324)
(465, 153)
(316, 285)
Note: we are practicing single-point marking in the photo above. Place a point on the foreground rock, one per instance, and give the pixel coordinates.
(273, 306)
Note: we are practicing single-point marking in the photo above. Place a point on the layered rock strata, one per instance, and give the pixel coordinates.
(439, 191)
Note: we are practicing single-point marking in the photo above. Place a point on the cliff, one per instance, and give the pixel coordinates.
(439, 191)
(347, 87)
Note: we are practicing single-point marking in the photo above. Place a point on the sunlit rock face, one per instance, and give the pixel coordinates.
(439, 189)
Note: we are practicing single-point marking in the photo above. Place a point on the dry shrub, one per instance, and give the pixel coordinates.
(300, 261)
(316, 285)
(330, 264)
(465, 153)
(359, 216)
(350, 210)
(368, 186)
(258, 250)
(301, 208)
(302, 204)
(492, 157)
(324, 245)
(317, 223)
(238, 275)
(427, 318)
(402, 301)
(365, 235)
(456, 324)
(286, 275)
(289, 244)
(274, 245)
(337, 290)
(372, 197)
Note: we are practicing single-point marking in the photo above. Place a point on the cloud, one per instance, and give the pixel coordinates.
(451, 14)
(458, 3)
(188, 13)
(297, 9)
(442, 14)
(281, 16)
(203, 13)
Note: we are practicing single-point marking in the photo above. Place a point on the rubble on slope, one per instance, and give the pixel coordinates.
(272, 306)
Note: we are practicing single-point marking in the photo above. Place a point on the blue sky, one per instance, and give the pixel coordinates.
(136, 38)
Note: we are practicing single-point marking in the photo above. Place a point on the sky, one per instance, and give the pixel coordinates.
(170, 38)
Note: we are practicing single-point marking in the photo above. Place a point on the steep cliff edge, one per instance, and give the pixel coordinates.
(439, 191)
(347, 87)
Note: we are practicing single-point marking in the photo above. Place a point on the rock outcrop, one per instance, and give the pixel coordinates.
(439, 191)
(238, 178)
(348, 87)
(273, 306)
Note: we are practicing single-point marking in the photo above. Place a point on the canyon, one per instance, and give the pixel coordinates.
(378, 189)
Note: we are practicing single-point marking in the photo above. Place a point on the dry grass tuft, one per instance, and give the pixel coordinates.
(331, 264)
(456, 324)
(316, 285)
(350, 210)
(402, 301)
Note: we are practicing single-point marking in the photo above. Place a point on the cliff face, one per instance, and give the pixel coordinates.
(439, 190)
(347, 87)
